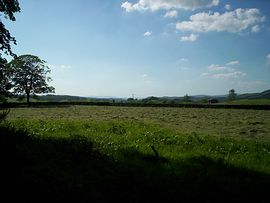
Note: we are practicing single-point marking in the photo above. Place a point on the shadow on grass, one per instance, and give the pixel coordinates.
(70, 170)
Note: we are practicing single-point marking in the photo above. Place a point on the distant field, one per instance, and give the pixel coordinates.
(152, 154)
(215, 122)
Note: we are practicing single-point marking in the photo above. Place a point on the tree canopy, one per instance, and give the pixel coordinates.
(7, 9)
(29, 76)
(186, 98)
(5, 81)
(232, 95)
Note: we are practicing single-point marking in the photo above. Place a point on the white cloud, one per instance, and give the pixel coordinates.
(214, 67)
(232, 63)
(223, 72)
(171, 14)
(65, 66)
(236, 74)
(233, 21)
(128, 6)
(144, 75)
(268, 57)
(183, 60)
(155, 5)
(51, 66)
(204, 74)
(255, 28)
(227, 7)
(147, 34)
(190, 38)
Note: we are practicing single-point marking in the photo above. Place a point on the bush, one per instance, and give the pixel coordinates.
(3, 114)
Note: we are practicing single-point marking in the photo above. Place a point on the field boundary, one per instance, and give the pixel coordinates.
(62, 104)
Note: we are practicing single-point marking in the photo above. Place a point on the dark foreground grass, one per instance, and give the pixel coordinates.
(106, 161)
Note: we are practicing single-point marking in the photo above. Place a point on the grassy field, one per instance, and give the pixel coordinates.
(133, 154)
(233, 123)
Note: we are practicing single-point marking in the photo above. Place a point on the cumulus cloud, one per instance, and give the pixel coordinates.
(222, 72)
(128, 6)
(214, 67)
(227, 7)
(204, 74)
(171, 14)
(255, 28)
(155, 5)
(147, 34)
(233, 21)
(232, 63)
(183, 60)
(190, 38)
(144, 75)
(236, 74)
(65, 66)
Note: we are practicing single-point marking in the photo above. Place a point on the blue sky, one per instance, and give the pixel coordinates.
(146, 47)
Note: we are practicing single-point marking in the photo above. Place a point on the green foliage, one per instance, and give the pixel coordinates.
(186, 98)
(30, 76)
(5, 81)
(8, 8)
(232, 95)
(3, 114)
(130, 99)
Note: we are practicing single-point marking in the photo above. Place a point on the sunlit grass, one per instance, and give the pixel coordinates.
(215, 122)
(111, 138)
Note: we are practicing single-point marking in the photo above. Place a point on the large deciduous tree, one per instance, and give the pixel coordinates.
(29, 76)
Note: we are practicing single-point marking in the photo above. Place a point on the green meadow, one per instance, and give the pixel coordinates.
(141, 154)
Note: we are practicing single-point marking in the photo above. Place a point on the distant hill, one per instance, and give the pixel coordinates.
(165, 99)
(204, 98)
(262, 95)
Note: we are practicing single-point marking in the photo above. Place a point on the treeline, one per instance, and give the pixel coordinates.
(128, 104)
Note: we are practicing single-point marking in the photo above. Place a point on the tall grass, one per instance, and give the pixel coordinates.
(132, 160)
(111, 138)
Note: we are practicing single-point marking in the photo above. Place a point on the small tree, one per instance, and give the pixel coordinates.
(186, 98)
(30, 76)
(232, 95)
